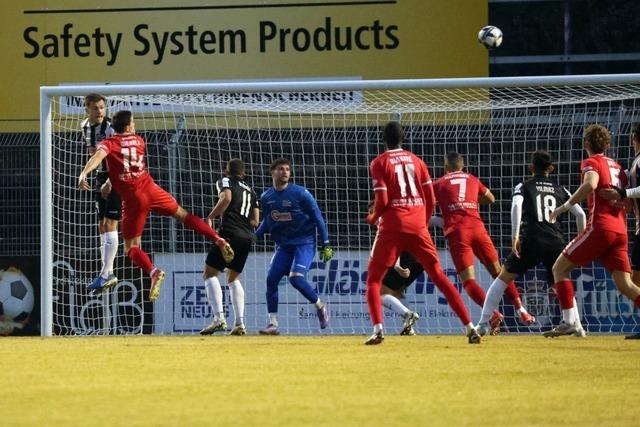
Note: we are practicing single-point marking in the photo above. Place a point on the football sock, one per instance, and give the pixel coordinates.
(394, 304)
(319, 304)
(301, 284)
(513, 294)
(565, 292)
(110, 250)
(576, 314)
(492, 300)
(474, 291)
(377, 328)
(272, 291)
(273, 319)
(237, 301)
(449, 291)
(140, 259)
(102, 248)
(196, 224)
(374, 282)
(214, 296)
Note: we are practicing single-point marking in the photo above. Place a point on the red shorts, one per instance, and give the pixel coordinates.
(387, 246)
(607, 247)
(136, 207)
(467, 243)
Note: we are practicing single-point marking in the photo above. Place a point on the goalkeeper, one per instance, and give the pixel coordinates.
(292, 216)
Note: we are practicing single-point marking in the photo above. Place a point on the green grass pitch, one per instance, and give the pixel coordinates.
(328, 381)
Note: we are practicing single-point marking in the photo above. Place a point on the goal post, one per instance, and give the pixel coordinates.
(331, 131)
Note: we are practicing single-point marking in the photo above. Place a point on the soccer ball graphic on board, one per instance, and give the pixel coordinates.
(16, 300)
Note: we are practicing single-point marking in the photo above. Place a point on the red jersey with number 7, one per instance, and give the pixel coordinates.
(404, 176)
(125, 161)
(457, 194)
(605, 214)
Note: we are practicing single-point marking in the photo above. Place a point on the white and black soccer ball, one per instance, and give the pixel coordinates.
(16, 297)
(490, 36)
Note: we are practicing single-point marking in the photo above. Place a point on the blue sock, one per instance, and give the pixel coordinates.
(301, 284)
(272, 292)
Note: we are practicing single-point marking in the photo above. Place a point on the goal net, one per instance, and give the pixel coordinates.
(330, 131)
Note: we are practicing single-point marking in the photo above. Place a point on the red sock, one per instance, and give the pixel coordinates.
(374, 283)
(199, 226)
(637, 301)
(140, 259)
(474, 291)
(565, 292)
(450, 293)
(513, 295)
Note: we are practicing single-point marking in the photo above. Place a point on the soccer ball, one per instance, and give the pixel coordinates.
(16, 297)
(490, 36)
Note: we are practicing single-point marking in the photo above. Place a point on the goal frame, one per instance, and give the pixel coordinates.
(48, 92)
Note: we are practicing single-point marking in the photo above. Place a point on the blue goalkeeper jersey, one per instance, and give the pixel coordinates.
(291, 216)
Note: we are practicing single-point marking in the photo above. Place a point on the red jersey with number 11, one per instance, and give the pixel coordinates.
(403, 176)
(605, 214)
(125, 161)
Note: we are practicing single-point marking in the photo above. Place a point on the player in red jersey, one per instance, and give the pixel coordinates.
(605, 237)
(124, 153)
(459, 194)
(403, 202)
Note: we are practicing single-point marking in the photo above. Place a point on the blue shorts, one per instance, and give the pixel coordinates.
(293, 258)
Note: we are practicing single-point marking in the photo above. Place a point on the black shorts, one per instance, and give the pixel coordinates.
(241, 249)
(394, 281)
(111, 207)
(635, 254)
(532, 253)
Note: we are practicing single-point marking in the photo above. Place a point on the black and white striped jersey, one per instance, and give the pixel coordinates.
(634, 181)
(92, 135)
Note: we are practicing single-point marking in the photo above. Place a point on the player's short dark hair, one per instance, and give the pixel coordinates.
(597, 138)
(393, 135)
(635, 130)
(94, 97)
(540, 161)
(454, 160)
(279, 162)
(121, 120)
(235, 167)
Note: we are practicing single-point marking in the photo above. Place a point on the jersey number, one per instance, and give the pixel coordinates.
(615, 176)
(462, 191)
(410, 171)
(131, 158)
(545, 205)
(246, 204)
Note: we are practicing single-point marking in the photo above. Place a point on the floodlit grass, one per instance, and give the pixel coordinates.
(328, 381)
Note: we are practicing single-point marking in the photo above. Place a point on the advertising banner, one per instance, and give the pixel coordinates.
(89, 41)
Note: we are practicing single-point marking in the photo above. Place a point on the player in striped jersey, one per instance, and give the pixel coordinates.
(534, 238)
(633, 194)
(96, 127)
(238, 208)
(605, 237)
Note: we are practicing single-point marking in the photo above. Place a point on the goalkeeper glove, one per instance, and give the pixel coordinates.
(326, 253)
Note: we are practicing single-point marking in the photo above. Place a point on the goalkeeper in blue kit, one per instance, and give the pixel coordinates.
(292, 216)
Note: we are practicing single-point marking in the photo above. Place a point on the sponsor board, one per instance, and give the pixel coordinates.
(341, 282)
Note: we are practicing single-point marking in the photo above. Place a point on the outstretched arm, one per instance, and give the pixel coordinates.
(91, 165)
(581, 217)
(589, 184)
